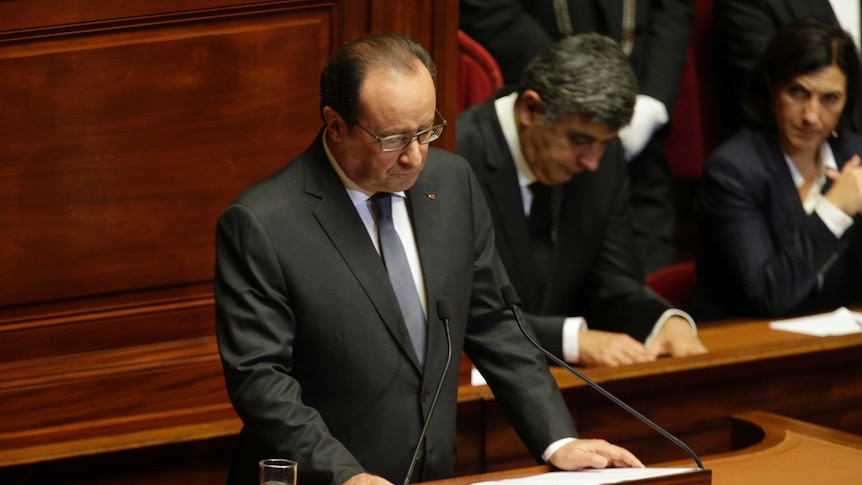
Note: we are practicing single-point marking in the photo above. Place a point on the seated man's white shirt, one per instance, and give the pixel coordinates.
(649, 116)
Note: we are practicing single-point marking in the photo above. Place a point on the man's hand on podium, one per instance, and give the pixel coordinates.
(584, 453)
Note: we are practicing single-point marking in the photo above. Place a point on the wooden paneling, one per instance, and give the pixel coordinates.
(129, 126)
(96, 329)
(121, 148)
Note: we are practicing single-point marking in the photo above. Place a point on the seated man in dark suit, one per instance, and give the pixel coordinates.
(655, 34)
(554, 139)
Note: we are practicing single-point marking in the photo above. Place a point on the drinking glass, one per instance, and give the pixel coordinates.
(277, 471)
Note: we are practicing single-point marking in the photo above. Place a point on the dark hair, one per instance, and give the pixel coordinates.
(342, 77)
(585, 75)
(799, 48)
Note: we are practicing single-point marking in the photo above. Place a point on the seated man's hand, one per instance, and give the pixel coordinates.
(367, 479)
(676, 339)
(597, 347)
(592, 454)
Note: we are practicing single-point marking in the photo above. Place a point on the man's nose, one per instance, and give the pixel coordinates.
(411, 154)
(590, 158)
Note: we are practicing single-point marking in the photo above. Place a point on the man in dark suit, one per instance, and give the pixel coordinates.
(553, 131)
(321, 352)
(742, 30)
(655, 34)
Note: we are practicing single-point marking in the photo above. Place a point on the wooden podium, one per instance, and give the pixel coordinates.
(771, 450)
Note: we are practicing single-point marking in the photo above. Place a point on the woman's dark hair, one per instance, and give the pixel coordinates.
(799, 48)
(342, 77)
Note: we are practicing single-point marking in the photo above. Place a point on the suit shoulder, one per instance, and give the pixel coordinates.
(277, 184)
(441, 162)
(469, 132)
(746, 150)
(854, 141)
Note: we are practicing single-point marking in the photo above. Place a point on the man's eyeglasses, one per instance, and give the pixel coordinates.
(394, 143)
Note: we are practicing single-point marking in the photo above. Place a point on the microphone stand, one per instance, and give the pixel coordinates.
(444, 311)
(511, 299)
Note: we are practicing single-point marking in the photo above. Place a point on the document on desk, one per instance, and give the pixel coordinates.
(839, 322)
(591, 476)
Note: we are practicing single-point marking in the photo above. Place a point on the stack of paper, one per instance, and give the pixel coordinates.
(591, 476)
(839, 322)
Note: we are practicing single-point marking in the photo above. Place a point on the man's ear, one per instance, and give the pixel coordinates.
(335, 124)
(529, 107)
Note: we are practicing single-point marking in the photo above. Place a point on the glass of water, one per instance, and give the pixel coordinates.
(277, 471)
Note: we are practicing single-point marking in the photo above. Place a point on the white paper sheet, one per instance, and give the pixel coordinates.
(839, 322)
(590, 476)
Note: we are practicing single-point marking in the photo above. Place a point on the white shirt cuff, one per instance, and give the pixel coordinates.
(572, 327)
(835, 219)
(553, 447)
(671, 312)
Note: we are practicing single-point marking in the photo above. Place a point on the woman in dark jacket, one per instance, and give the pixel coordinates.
(780, 200)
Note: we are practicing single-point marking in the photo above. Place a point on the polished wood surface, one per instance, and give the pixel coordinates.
(129, 126)
(781, 451)
(749, 367)
(768, 450)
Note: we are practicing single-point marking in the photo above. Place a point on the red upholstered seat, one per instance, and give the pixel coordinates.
(478, 73)
(675, 283)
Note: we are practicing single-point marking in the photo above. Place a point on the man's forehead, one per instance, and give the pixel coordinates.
(398, 99)
(592, 128)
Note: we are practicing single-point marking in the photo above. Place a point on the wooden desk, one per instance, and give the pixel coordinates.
(749, 367)
(785, 451)
(167, 402)
(771, 450)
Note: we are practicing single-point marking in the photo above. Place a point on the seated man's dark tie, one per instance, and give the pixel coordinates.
(400, 275)
(541, 224)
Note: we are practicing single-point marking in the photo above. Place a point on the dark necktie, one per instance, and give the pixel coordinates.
(400, 275)
(540, 222)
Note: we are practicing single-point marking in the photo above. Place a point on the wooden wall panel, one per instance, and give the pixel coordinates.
(42, 337)
(44, 17)
(121, 149)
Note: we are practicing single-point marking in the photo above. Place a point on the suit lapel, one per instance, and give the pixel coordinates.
(788, 197)
(842, 153)
(338, 218)
(506, 203)
(425, 212)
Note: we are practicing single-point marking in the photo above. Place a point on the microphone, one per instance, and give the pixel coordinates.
(444, 312)
(512, 301)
